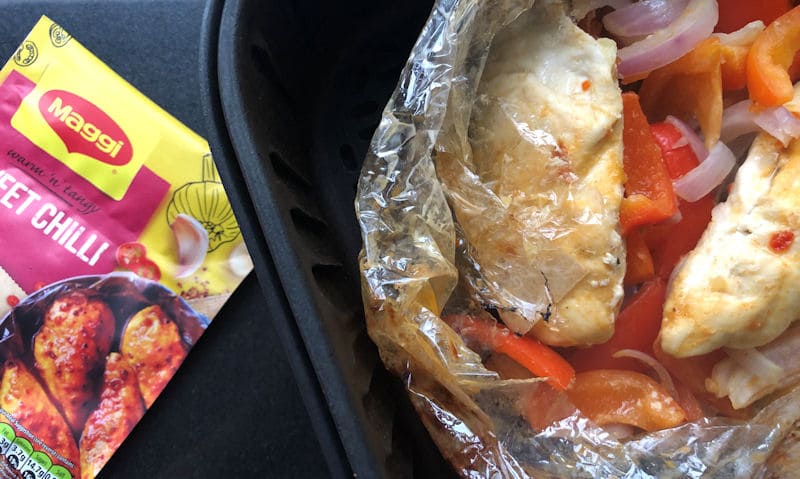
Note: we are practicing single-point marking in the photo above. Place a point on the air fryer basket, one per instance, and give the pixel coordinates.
(294, 92)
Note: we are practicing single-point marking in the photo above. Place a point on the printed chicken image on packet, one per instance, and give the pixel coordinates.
(118, 247)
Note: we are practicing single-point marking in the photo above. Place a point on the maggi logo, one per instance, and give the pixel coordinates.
(84, 128)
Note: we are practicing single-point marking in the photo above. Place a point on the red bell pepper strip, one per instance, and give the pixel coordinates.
(527, 351)
(649, 197)
(668, 243)
(638, 263)
(769, 59)
(734, 14)
(678, 160)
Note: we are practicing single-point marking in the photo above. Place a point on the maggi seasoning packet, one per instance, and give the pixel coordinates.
(117, 247)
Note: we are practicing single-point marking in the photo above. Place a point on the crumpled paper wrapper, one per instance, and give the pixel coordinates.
(417, 264)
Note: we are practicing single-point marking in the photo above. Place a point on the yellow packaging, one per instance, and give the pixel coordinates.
(118, 246)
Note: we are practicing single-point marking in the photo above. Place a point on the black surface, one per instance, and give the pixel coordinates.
(246, 209)
(233, 409)
(299, 89)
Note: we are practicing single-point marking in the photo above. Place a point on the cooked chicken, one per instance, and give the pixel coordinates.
(740, 287)
(22, 397)
(539, 205)
(119, 410)
(70, 350)
(152, 345)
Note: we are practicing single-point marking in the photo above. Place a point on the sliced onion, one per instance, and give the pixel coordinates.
(745, 376)
(663, 376)
(192, 241)
(742, 37)
(785, 350)
(691, 137)
(739, 119)
(643, 17)
(707, 175)
(239, 261)
(680, 142)
(728, 378)
(748, 375)
(694, 24)
(780, 123)
(757, 364)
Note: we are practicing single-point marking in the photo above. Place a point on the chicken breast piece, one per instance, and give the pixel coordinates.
(23, 398)
(152, 345)
(119, 410)
(740, 286)
(70, 349)
(539, 205)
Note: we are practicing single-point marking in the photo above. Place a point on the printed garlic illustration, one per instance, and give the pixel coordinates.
(10, 292)
(206, 202)
(192, 239)
(239, 261)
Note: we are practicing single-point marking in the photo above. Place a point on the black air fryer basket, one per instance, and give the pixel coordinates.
(295, 89)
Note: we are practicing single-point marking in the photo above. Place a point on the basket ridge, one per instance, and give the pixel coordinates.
(300, 130)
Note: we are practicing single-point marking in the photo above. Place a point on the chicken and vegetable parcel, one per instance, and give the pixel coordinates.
(598, 198)
(556, 139)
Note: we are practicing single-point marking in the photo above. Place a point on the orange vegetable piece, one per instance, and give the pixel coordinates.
(610, 396)
(734, 14)
(649, 197)
(769, 59)
(639, 263)
(688, 88)
(525, 350)
(636, 327)
(734, 67)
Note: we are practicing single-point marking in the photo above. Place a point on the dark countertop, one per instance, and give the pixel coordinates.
(233, 409)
